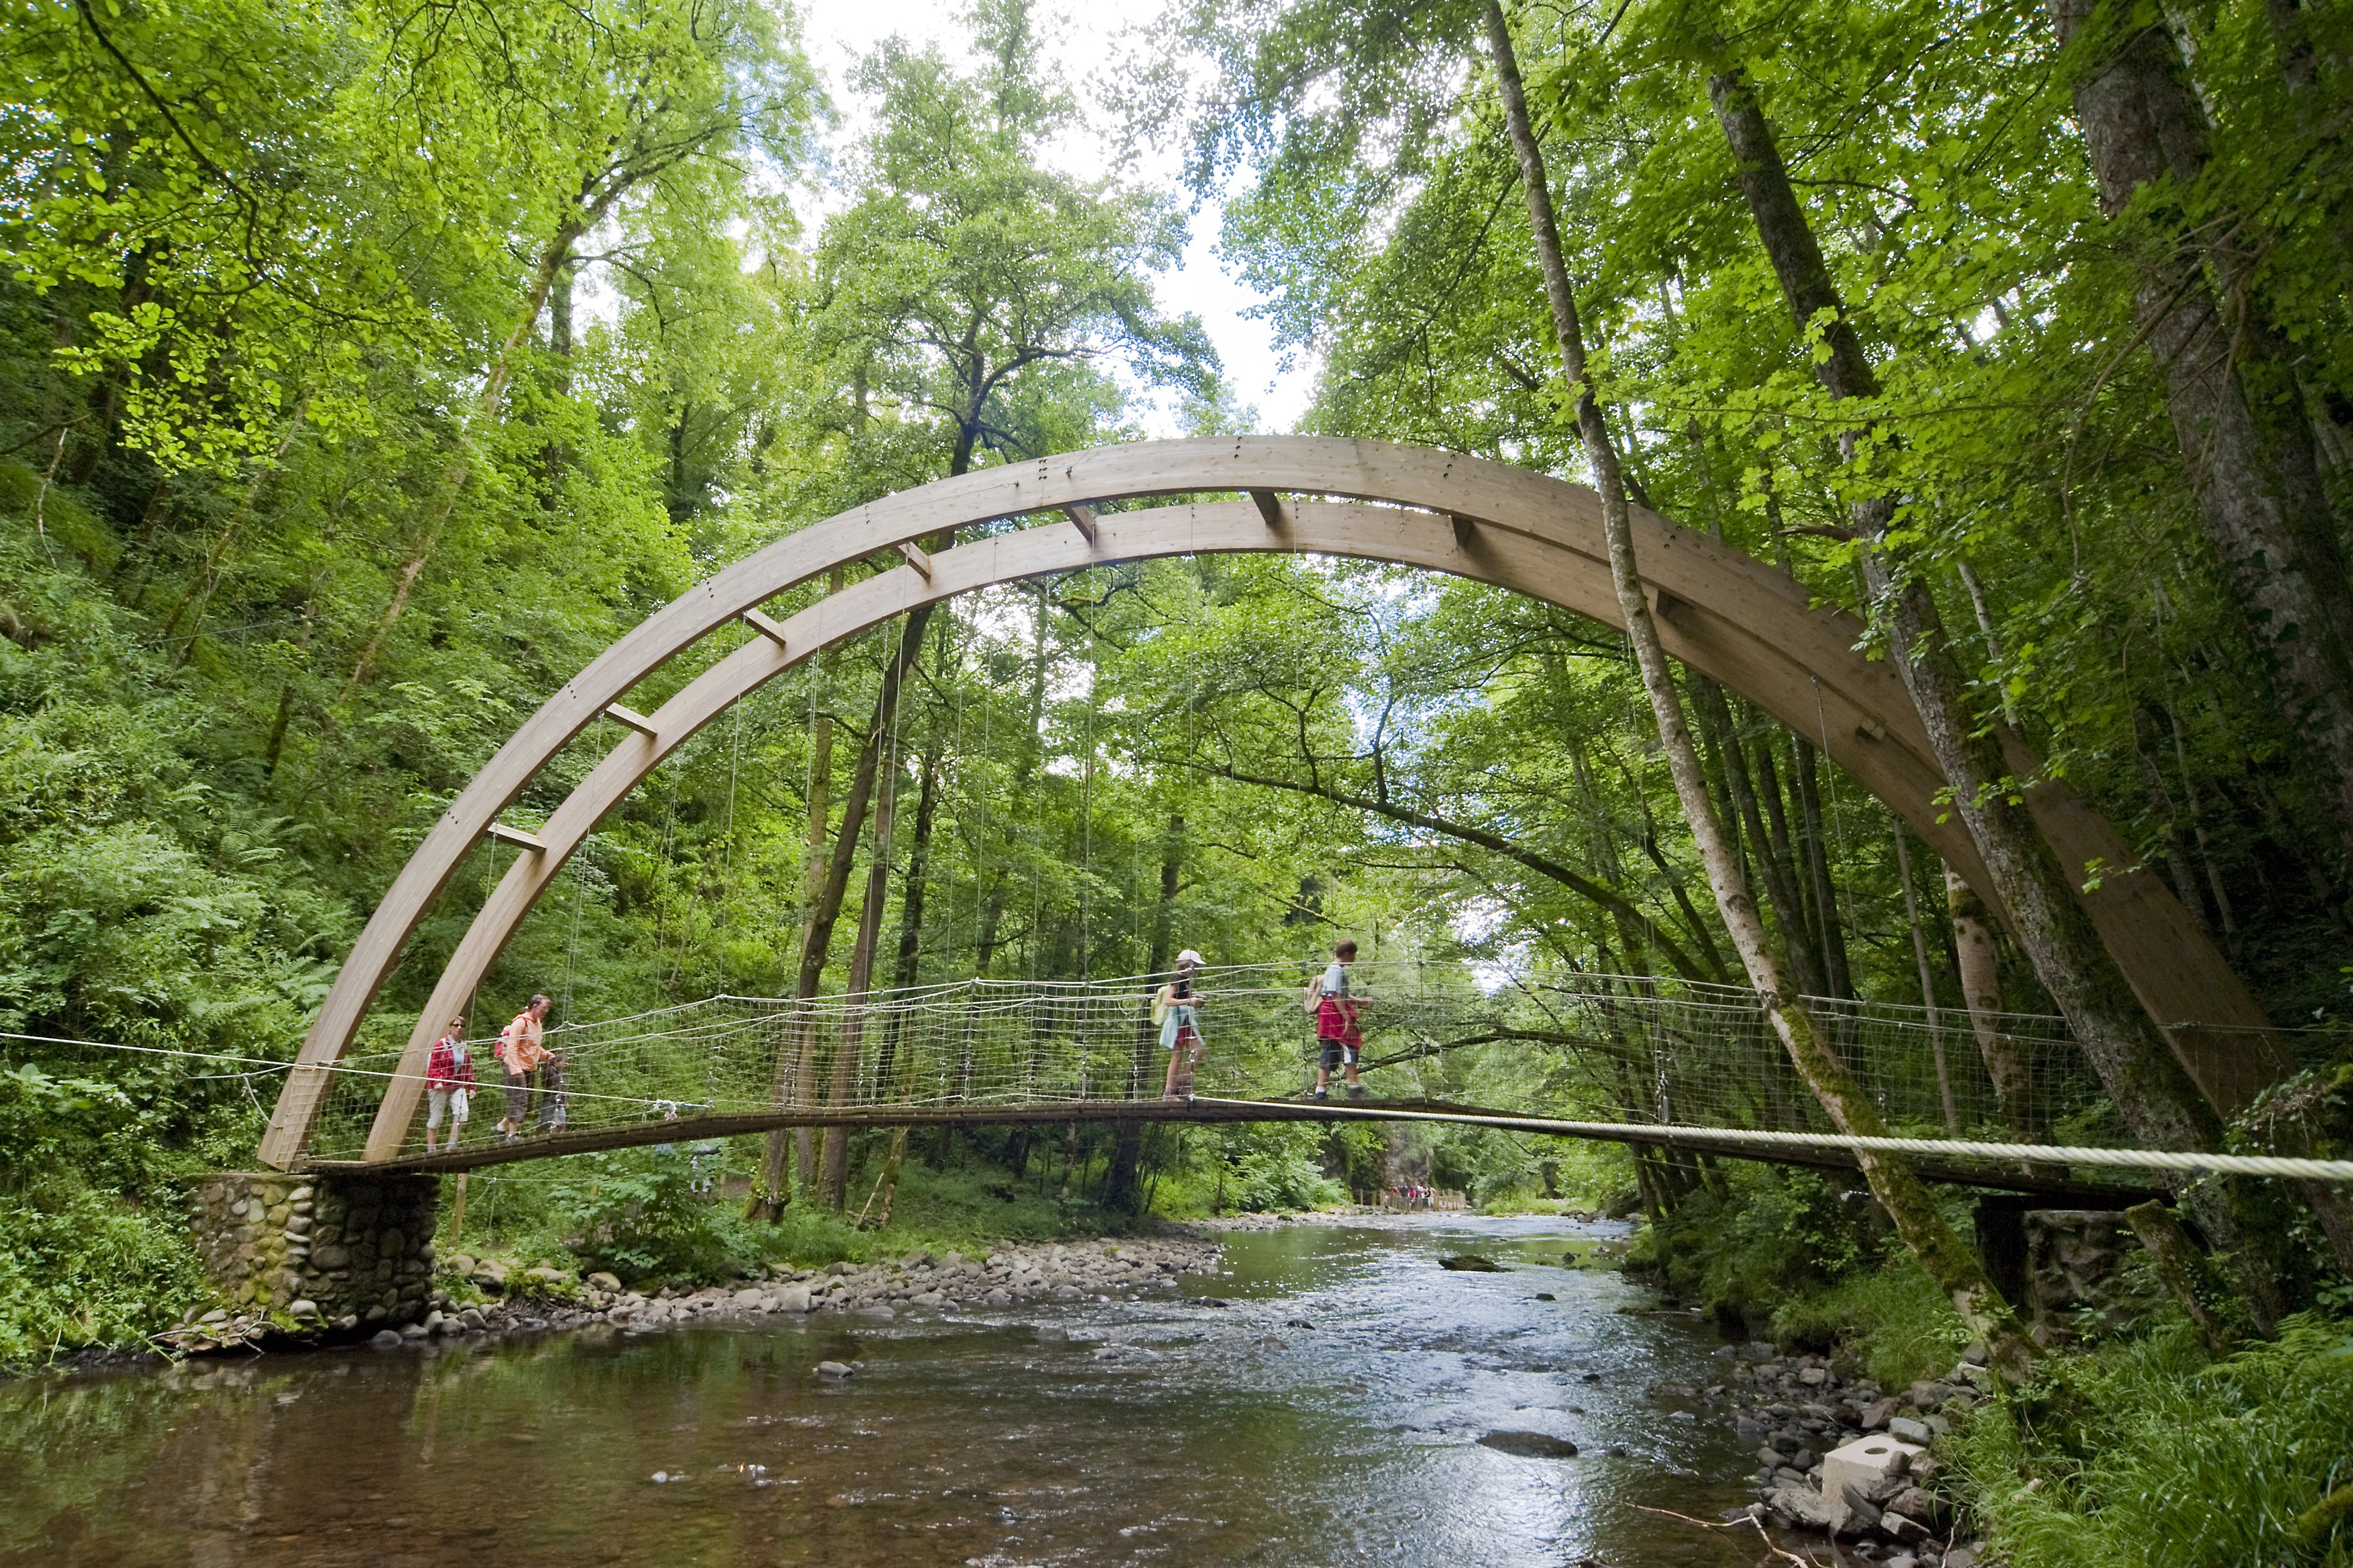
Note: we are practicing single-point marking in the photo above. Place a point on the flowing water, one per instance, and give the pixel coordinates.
(1330, 1414)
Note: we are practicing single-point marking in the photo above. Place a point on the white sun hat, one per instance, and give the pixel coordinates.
(1189, 956)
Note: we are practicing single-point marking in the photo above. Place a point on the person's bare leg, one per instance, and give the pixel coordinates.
(1168, 1089)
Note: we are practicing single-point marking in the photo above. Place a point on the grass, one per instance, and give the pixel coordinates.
(2149, 1453)
(1892, 1319)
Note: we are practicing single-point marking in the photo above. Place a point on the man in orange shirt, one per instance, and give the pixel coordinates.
(521, 1047)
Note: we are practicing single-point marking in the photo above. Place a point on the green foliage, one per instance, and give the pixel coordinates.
(2149, 1452)
(636, 1212)
(1891, 1318)
(1280, 1173)
(1776, 1235)
(80, 1267)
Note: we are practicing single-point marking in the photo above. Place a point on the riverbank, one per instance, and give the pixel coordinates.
(493, 1297)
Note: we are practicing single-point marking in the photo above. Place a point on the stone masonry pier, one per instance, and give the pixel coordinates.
(315, 1254)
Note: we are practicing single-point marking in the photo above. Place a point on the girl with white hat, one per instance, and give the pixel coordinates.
(1176, 1007)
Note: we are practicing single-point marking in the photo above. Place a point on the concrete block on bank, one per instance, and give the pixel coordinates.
(1861, 1467)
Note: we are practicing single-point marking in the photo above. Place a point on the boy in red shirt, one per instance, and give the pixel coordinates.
(1337, 1038)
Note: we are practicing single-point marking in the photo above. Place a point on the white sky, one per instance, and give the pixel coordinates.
(1079, 39)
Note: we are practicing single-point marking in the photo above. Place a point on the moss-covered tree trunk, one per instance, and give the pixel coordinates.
(2151, 1089)
(1941, 1252)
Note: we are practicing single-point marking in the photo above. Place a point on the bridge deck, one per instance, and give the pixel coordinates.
(701, 1128)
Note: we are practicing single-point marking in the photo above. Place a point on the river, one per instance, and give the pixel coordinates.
(1329, 1415)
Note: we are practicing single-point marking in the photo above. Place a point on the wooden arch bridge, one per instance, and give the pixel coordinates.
(1727, 615)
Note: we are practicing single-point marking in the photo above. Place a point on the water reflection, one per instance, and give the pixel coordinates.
(1147, 1433)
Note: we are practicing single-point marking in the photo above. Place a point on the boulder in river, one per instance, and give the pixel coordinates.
(1530, 1445)
(832, 1369)
(1470, 1263)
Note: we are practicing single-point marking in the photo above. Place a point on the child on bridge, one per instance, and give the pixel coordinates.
(1176, 1008)
(1337, 1038)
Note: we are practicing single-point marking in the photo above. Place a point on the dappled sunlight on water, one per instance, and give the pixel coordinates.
(1209, 1435)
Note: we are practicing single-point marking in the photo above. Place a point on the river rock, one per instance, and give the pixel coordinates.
(1469, 1263)
(1530, 1445)
(1802, 1506)
(386, 1339)
(793, 1298)
(832, 1369)
(605, 1282)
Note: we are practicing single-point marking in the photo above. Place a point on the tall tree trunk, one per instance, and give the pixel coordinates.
(912, 887)
(2151, 1089)
(1798, 919)
(1798, 952)
(2238, 414)
(1120, 1187)
(1813, 849)
(1946, 1258)
(1981, 977)
(559, 348)
(796, 1054)
(1927, 984)
(877, 780)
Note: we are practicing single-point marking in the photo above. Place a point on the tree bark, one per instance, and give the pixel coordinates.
(2151, 1089)
(1922, 1225)
(1798, 952)
(1927, 983)
(1813, 851)
(1120, 1186)
(877, 780)
(2179, 1264)
(797, 1056)
(2237, 413)
(1981, 976)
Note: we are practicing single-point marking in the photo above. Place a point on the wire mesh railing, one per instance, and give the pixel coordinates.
(1635, 1050)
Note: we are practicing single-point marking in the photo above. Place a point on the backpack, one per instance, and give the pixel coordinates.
(1314, 1001)
(1160, 1006)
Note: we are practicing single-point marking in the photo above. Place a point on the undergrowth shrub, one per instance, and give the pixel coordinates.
(1282, 1178)
(2149, 1453)
(1892, 1319)
(644, 1213)
(82, 1268)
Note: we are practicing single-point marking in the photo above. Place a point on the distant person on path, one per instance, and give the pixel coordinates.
(521, 1048)
(1178, 1009)
(449, 1084)
(1336, 1036)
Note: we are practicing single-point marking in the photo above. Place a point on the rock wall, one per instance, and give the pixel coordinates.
(2075, 1281)
(332, 1253)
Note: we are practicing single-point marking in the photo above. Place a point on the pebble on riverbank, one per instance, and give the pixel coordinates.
(535, 1299)
(1800, 1412)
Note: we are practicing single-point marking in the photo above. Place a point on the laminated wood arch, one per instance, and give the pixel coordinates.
(1723, 612)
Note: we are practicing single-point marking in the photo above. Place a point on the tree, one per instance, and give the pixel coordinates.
(1941, 1252)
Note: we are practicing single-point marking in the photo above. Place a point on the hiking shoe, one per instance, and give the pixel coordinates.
(1319, 1096)
(1355, 1091)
